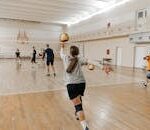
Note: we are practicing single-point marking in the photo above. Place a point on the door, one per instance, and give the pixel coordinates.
(140, 52)
(119, 56)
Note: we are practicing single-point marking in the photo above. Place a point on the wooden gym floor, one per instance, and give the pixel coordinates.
(29, 100)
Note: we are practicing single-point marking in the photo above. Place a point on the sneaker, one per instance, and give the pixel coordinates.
(86, 128)
(145, 84)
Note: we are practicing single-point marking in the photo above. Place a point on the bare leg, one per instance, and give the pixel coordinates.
(53, 68)
(48, 70)
(76, 111)
(77, 101)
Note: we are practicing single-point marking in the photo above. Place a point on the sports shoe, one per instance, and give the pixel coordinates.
(86, 128)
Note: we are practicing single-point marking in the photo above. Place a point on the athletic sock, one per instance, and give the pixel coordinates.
(84, 125)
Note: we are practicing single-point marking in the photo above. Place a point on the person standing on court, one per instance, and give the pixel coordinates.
(18, 58)
(50, 60)
(17, 55)
(33, 60)
(75, 81)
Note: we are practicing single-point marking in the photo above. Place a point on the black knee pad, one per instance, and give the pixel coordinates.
(78, 108)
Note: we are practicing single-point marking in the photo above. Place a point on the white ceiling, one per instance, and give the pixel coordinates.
(53, 11)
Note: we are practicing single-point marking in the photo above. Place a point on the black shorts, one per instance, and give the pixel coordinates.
(74, 90)
(48, 62)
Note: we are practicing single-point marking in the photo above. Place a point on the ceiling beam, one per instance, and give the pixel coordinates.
(45, 6)
(30, 21)
(32, 11)
(21, 14)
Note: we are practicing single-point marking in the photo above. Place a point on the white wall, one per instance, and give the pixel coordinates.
(8, 49)
(123, 14)
(39, 35)
(123, 23)
(96, 50)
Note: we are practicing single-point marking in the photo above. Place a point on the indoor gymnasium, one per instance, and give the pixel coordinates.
(74, 64)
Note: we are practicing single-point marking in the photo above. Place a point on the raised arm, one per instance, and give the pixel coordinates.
(62, 54)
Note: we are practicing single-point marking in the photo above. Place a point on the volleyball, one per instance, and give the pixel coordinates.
(64, 37)
(91, 67)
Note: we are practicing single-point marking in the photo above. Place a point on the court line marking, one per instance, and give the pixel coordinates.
(60, 89)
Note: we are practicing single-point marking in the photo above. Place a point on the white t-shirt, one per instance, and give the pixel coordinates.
(77, 75)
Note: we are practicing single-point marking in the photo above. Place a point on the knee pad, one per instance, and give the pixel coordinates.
(78, 108)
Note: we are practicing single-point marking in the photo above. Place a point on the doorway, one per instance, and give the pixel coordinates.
(139, 53)
(119, 56)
